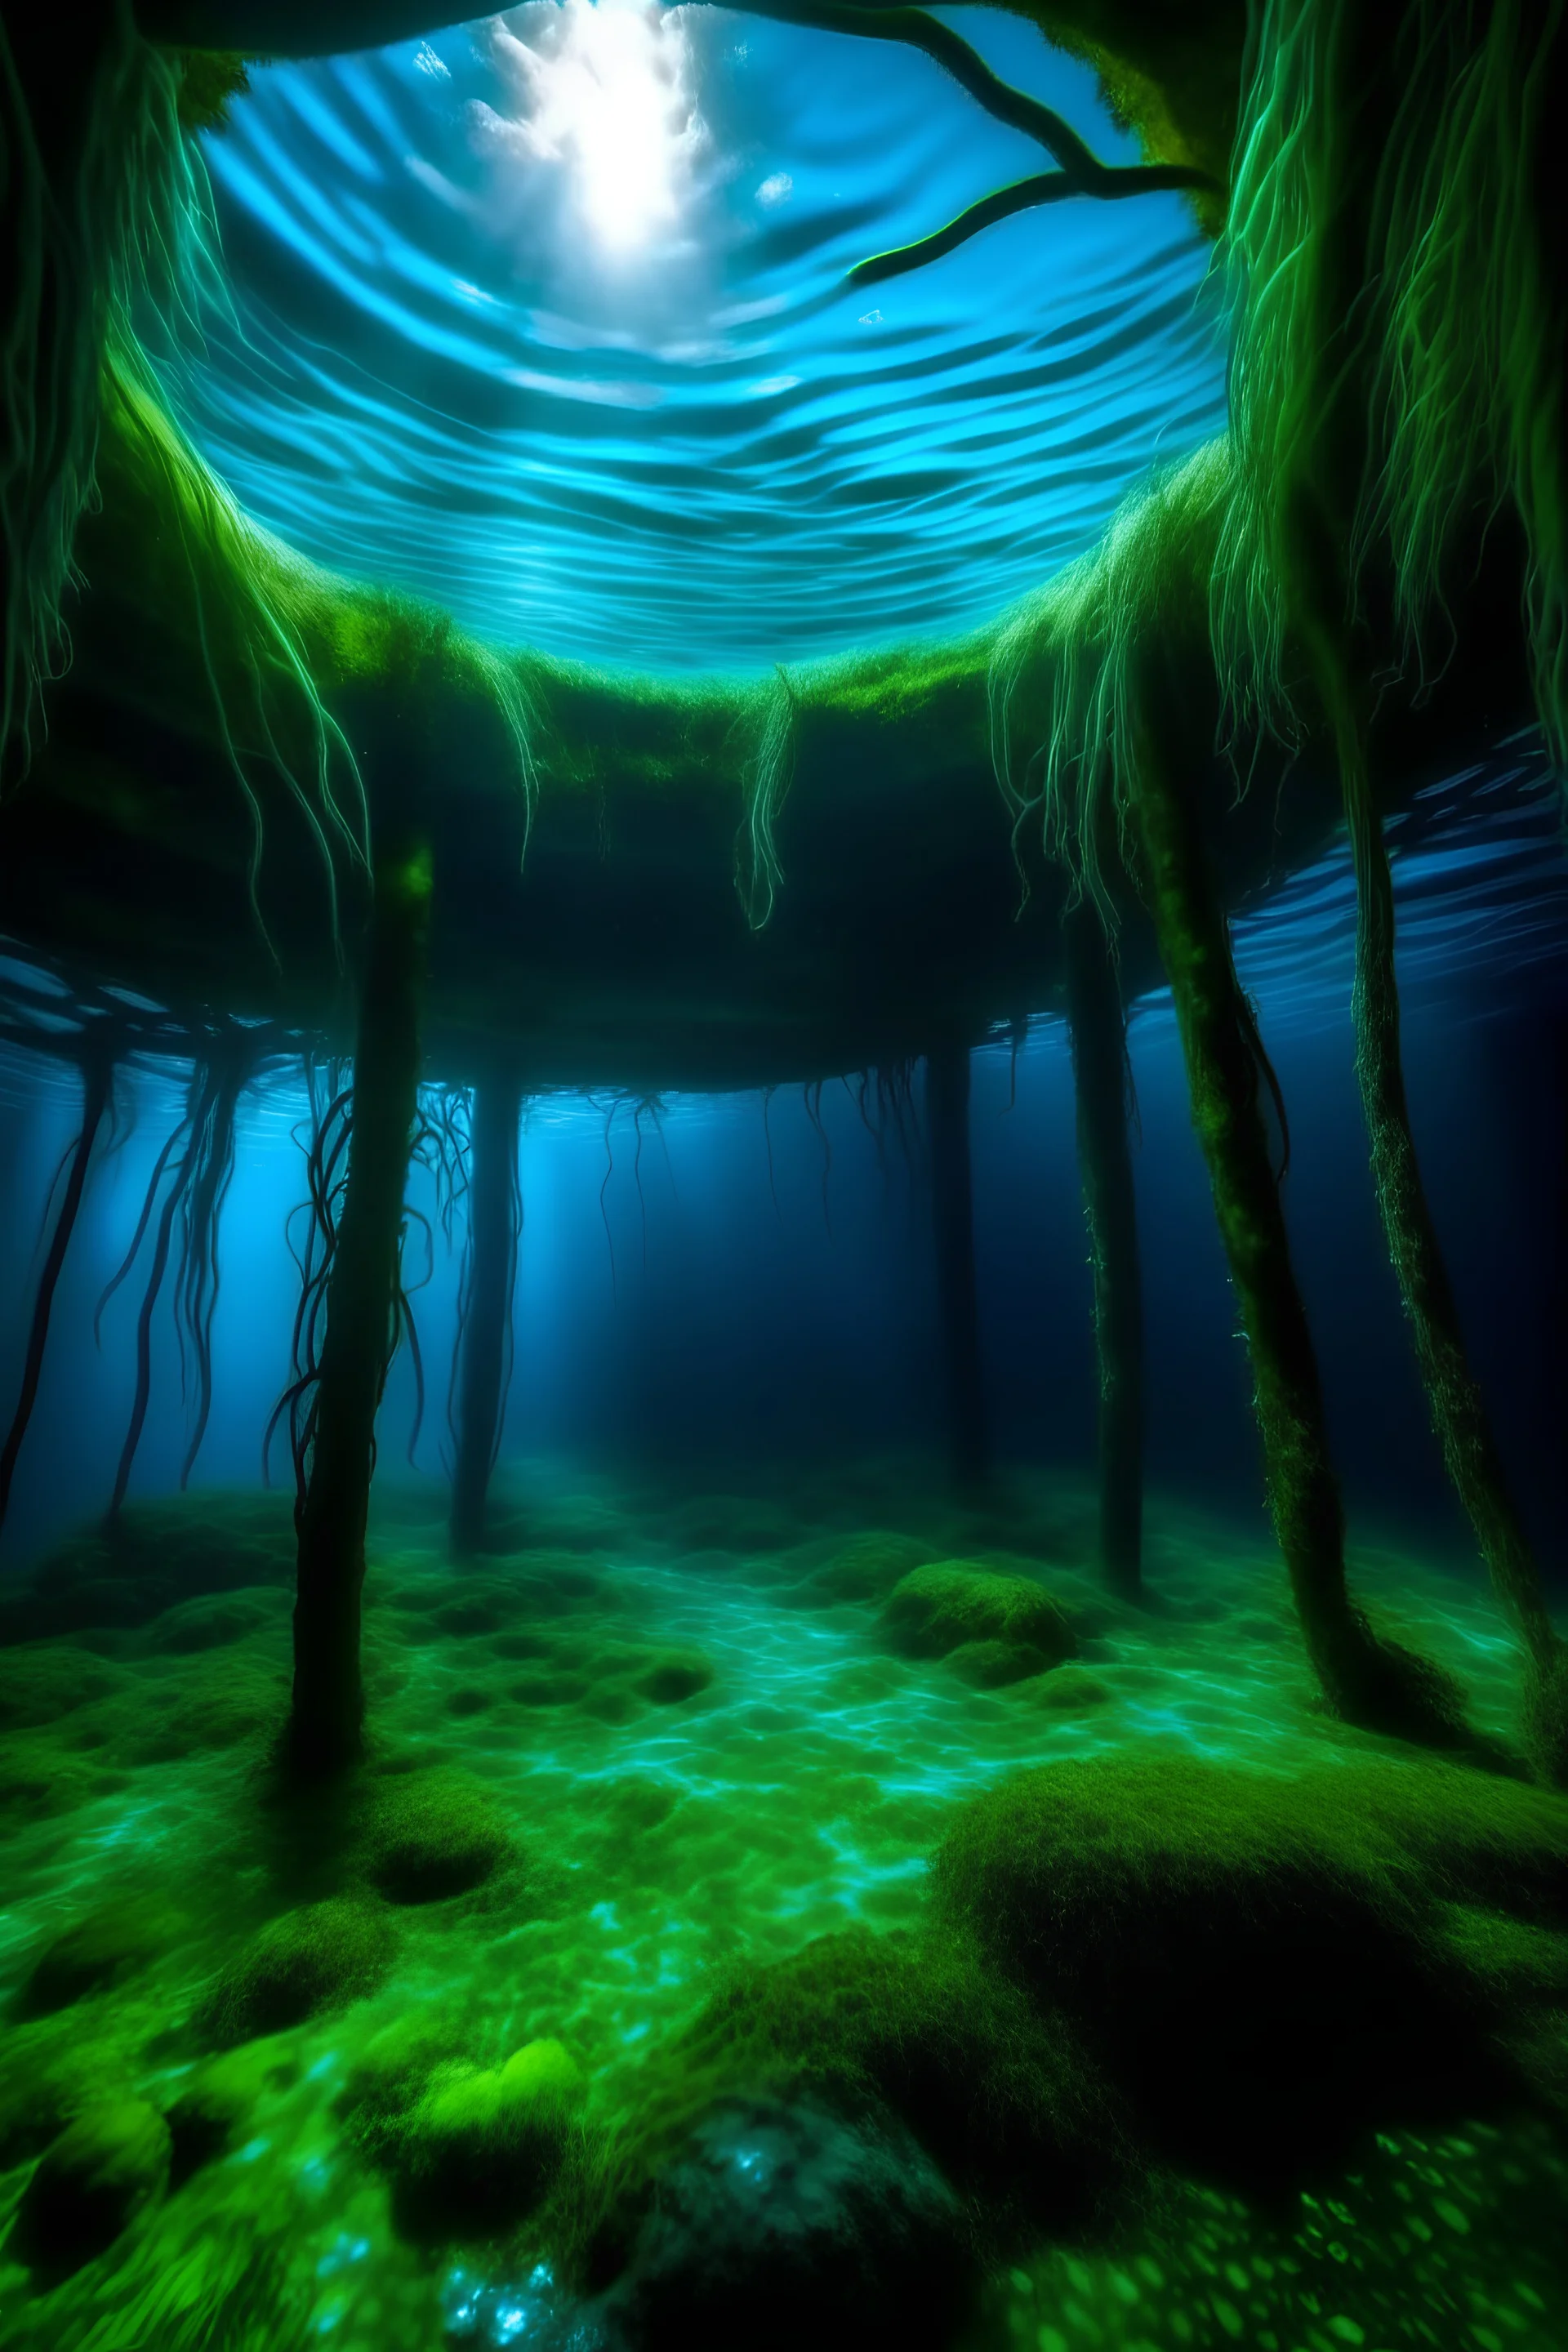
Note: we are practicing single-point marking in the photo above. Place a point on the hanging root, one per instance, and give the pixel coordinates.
(811, 1096)
(184, 1170)
(1061, 668)
(1394, 254)
(251, 606)
(228, 1070)
(99, 188)
(98, 1094)
(759, 876)
(326, 1163)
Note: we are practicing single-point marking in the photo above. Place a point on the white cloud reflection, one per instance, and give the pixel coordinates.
(602, 97)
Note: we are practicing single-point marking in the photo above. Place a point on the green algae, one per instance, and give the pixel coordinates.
(999, 1628)
(430, 1836)
(320, 1957)
(1265, 1961)
(469, 2150)
(729, 1895)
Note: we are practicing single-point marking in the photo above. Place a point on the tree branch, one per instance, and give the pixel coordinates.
(918, 30)
(1112, 182)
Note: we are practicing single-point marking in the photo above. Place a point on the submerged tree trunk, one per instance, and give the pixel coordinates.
(1099, 1032)
(953, 1210)
(1459, 1409)
(98, 1083)
(487, 1309)
(362, 1295)
(1365, 1678)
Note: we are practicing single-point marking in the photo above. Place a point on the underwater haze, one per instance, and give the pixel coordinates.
(910, 1704)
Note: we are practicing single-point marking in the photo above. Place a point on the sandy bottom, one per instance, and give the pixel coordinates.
(704, 1754)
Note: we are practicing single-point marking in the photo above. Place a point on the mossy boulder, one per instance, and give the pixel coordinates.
(320, 1957)
(388, 2078)
(783, 2224)
(112, 1941)
(1263, 1964)
(431, 1835)
(917, 2027)
(469, 2149)
(90, 2183)
(1071, 1691)
(1000, 1629)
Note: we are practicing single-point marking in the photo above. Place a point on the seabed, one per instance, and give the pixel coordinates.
(628, 1775)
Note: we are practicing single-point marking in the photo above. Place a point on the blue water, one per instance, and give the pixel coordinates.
(707, 1280)
(585, 369)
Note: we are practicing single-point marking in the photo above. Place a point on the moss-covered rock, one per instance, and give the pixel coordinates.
(1005, 1627)
(431, 1835)
(783, 2224)
(998, 2093)
(1071, 1691)
(469, 2149)
(388, 2078)
(104, 2168)
(113, 1940)
(1260, 1962)
(320, 1957)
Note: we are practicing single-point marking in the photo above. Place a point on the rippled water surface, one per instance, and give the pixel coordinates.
(545, 318)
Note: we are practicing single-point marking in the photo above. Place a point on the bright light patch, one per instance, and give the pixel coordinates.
(606, 92)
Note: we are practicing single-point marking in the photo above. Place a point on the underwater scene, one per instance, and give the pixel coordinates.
(784, 1165)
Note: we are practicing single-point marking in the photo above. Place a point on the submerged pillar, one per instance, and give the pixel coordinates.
(953, 1214)
(362, 1298)
(1366, 1678)
(1454, 1396)
(97, 1090)
(1098, 1029)
(486, 1328)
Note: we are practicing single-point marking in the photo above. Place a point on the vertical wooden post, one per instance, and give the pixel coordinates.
(487, 1321)
(1097, 1029)
(362, 1295)
(953, 1214)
